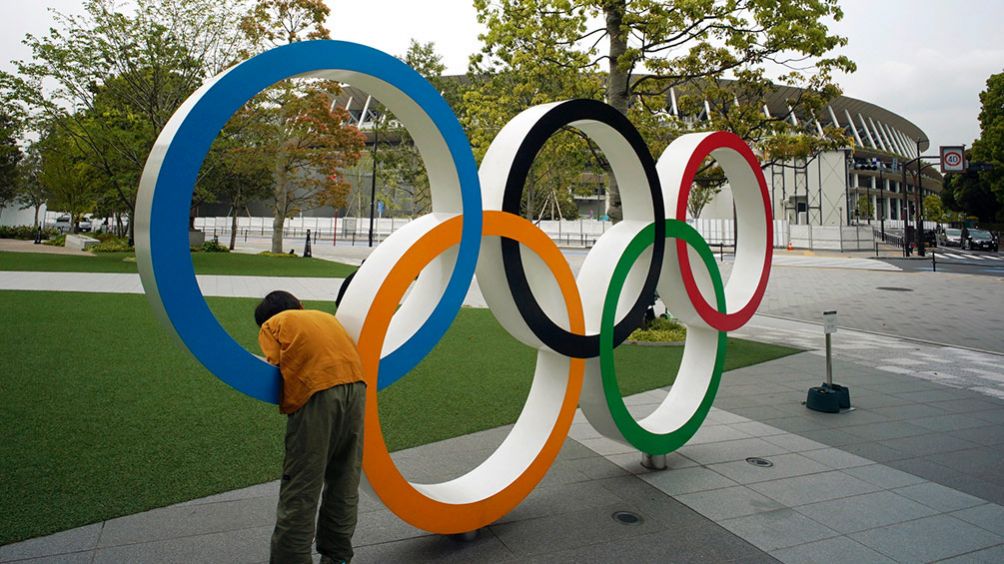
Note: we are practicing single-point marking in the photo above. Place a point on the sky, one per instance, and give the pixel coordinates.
(926, 60)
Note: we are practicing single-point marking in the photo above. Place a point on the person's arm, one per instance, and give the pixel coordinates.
(269, 345)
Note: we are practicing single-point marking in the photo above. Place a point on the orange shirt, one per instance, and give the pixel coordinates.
(313, 353)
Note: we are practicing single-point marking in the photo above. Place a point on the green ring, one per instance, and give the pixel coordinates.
(635, 434)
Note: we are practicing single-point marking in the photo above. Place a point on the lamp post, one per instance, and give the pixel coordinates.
(376, 142)
(881, 166)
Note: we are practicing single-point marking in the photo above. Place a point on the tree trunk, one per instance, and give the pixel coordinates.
(617, 90)
(277, 222)
(37, 208)
(233, 230)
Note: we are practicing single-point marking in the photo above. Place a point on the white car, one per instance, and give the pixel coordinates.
(64, 224)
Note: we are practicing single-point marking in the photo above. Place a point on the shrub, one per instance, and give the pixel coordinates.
(57, 241)
(111, 245)
(661, 330)
(213, 246)
(276, 255)
(25, 232)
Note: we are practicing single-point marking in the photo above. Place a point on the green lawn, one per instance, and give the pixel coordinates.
(104, 415)
(205, 263)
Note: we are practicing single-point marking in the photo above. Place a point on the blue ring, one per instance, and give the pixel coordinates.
(169, 248)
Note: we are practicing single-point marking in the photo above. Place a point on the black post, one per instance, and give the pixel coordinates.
(376, 141)
(882, 199)
(920, 206)
(306, 248)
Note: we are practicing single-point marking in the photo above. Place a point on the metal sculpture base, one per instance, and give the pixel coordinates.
(653, 461)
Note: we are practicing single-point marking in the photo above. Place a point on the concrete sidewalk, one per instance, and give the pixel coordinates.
(911, 475)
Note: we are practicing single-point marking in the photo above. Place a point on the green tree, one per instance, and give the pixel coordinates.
(108, 80)
(989, 148)
(933, 210)
(70, 181)
(304, 139)
(10, 156)
(652, 46)
(864, 208)
(32, 192)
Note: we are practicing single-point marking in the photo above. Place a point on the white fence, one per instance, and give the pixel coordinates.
(566, 233)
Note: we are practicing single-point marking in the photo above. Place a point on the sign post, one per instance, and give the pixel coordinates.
(953, 158)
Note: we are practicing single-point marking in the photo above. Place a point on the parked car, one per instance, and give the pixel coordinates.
(980, 239)
(950, 237)
(64, 224)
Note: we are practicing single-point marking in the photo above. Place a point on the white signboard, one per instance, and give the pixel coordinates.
(953, 159)
(829, 322)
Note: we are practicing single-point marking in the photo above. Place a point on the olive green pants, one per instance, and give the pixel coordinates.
(324, 445)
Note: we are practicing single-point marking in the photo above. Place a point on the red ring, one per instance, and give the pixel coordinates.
(711, 316)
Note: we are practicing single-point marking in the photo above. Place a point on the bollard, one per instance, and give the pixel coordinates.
(934, 264)
(306, 248)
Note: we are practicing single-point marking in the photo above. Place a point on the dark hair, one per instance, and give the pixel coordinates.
(275, 302)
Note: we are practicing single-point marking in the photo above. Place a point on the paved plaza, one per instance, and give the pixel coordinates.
(912, 474)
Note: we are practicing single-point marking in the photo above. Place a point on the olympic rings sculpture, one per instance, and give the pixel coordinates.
(474, 229)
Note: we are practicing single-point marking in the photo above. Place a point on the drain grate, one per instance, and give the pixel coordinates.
(627, 518)
(759, 462)
(893, 289)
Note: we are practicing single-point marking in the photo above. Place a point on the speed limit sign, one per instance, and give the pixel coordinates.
(953, 159)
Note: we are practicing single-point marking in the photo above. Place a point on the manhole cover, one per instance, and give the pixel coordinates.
(626, 518)
(759, 462)
(893, 289)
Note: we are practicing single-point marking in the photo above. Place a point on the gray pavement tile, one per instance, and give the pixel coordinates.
(382, 526)
(656, 505)
(991, 416)
(188, 520)
(563, 498)
(798, 423)
(993, 555)
(709, 543)
(835, 458)
(910, 411)
(572, 449)
(970, 406)
(687, 480)
(934, 443)
(734, 390)
(727, 503)
(989, 435)
(732, 404)
(989, 516)
(979, 460)
(934, 395)
(801, 490)
(632, 462)
(70, 558)
(927, 539)
(886, 430)
(716, 434)
(730, 450)
(778, 529)
(830, 550)
(867, 511)
(569, 530)
(948, 422)
(759, 412)
(875, 451)
(580, 470)
(878, 400)
(883, 476)
(436, 548)
(939, 497)
(794, 443)
(73, 540)
(722, 417)
(605, 446)
(835, 437)
(244, 545)
(785, 466)
(757, 429)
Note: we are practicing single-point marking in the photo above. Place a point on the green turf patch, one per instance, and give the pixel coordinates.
(205, 263)
(104, 414)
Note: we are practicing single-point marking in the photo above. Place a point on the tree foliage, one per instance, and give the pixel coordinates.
(10, 157)
(631, 53)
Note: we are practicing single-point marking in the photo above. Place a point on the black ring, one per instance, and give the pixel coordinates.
(548, 332)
